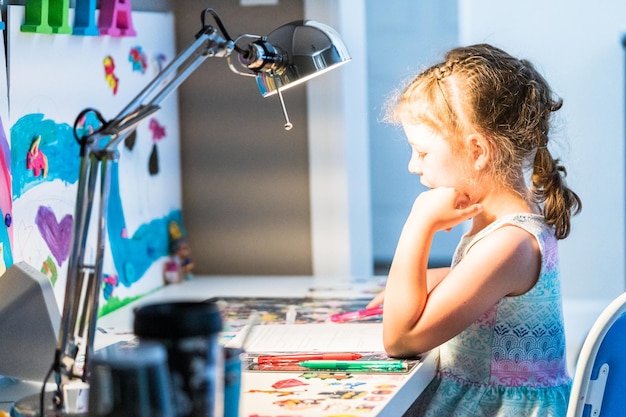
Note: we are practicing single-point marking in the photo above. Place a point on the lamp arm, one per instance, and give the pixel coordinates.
(208, 43)
(98, 149)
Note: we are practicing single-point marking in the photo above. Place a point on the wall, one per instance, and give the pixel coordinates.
(338, 149)
(245, 179)
(258, 200)
(577, 45)
(405, 38)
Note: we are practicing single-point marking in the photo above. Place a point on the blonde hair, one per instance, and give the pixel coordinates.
(481, 88)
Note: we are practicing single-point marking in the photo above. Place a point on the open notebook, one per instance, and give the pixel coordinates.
(314, 337)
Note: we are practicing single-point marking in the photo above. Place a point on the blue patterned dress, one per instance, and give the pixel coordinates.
(510, 362)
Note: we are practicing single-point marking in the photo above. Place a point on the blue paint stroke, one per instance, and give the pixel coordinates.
(133, 256)
(7, 254)
(57, 142)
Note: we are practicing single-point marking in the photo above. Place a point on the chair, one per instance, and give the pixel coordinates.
(599, 386)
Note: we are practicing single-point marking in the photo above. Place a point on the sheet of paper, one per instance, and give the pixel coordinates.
(323, 337)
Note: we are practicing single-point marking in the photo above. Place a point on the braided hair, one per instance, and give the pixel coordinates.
(484, 89)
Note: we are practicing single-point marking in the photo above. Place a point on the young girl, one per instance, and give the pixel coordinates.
(477, 124)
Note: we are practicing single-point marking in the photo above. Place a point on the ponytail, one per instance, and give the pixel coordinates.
(557, 201)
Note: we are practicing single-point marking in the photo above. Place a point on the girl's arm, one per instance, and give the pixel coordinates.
(504, 263)
(433, 277)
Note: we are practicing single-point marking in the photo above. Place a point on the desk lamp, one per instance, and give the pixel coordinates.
(289, 55)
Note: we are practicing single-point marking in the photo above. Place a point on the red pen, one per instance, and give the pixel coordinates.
(299, 357)
(355, 315)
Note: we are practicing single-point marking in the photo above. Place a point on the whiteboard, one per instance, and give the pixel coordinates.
(52, 79)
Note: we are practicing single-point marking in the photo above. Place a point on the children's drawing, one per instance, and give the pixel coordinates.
(40, 159)
(158, 133)
(129, 142)
(109, 284)
(6, 204)
(55, 140)
(37, 160)
(56, 234)
(158, 130)
(160, 61)
(133, 256)
(3, 266)
(49, 268)
(288, 383)
(296, 404)
(153, 161)
(109, 73)
(138, 59)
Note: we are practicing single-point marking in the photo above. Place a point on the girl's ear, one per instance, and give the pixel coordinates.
(479, 151)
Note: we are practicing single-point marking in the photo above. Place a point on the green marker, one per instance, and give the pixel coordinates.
(355, 365)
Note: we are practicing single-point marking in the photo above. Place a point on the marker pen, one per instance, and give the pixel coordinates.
(355, 315)
(393, 365)
(299, 357)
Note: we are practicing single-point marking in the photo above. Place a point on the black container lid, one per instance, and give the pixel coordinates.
(176, 320)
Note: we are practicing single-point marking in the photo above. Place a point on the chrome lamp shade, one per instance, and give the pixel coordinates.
(312, 48)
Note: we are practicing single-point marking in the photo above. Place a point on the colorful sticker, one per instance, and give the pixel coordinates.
(55, 140)
(278, 393)
(298, 404)
(109, 74)
(344, 395)
(36, 160)
(157, 129)
(138, 59)
(160, 61)
(288, 383)
(108, 285)
(49, 269)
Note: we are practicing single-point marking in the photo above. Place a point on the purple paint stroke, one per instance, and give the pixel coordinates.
(158, 130)
(57, 235)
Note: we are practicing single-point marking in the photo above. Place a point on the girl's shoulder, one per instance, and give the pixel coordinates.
(513, 245)
(534, 224)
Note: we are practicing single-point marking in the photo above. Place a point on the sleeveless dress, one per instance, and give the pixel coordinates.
(510, 362)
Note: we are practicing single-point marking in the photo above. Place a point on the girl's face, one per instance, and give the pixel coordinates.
(432, 159)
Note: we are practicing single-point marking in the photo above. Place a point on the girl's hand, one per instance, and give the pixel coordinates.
(443, 208)
(376, 301)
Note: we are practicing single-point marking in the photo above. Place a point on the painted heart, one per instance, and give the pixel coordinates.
(57, 235)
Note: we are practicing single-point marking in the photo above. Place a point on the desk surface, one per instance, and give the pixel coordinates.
(284, 393)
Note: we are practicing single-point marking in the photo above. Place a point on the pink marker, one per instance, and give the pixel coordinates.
(355, 315)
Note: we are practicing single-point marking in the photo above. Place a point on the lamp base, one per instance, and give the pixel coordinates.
(31, 407)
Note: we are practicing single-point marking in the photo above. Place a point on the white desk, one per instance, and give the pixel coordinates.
(389, 395)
